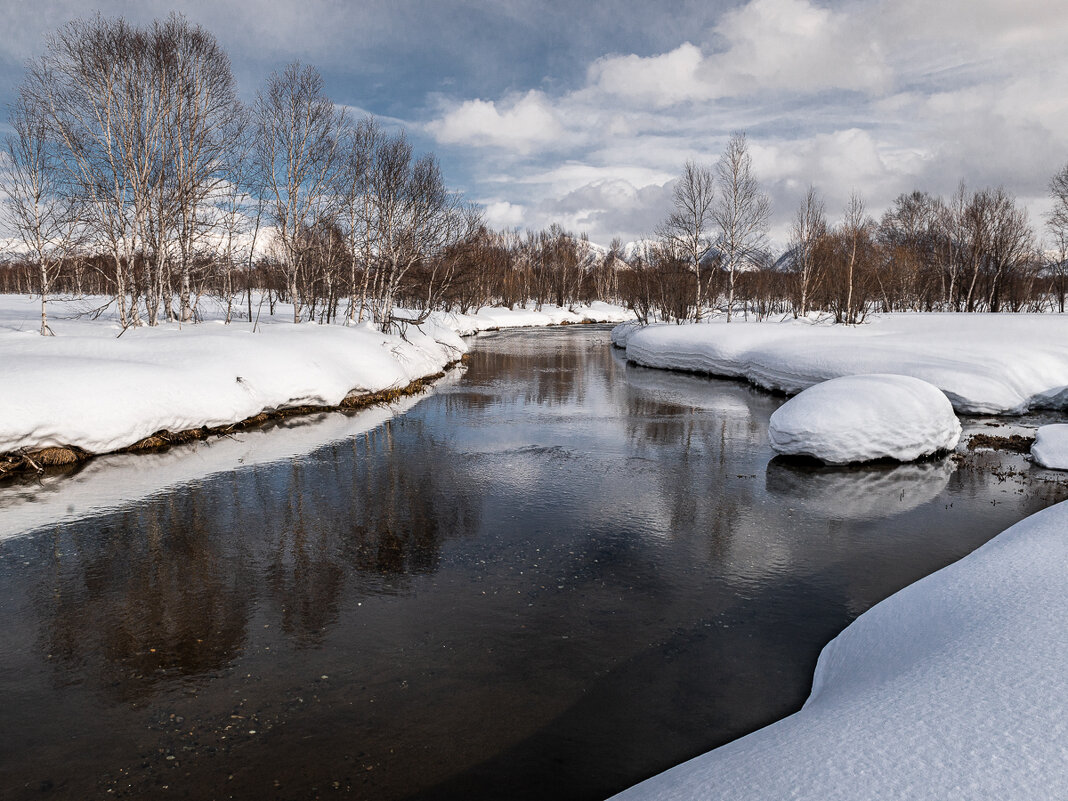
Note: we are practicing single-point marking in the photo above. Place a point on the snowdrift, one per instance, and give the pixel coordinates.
(1050, 448)
(865, 417)
(984, 363)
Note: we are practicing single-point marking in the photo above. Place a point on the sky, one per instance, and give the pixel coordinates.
(584, 113)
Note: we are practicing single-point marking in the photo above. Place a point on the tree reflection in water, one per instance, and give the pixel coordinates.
(167, 589)
(546, 580)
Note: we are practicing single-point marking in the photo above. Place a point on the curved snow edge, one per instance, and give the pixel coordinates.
(92, 393)
(1000, 364)
(953, 687)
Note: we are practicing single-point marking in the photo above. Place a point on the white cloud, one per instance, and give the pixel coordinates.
(503, 215)
(778, 45)
(519, 124)
(660, 81)
(883, 96)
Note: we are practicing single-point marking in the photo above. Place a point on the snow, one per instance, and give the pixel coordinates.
(952, 688)
(90, 388)
(984, 363)
(865, 417)
(116, 480)
(623, 332)
(1050, 448)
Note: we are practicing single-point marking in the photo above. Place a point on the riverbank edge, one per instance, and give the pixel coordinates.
(37, 461)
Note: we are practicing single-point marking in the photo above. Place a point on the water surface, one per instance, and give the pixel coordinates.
(552, 577)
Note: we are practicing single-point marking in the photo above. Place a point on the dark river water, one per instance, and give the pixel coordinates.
(553, 576)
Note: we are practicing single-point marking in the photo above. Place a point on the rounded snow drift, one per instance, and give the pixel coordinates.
(860, 418)
(1050, 448)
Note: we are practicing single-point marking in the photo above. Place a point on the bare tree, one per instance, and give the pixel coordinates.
(298, 134)
(810, 224)
(38, 207)
(855, 225)
(1057, 217)
(687, 230)
(204, 119)
(356, 213)
(742, 211)
(88, 82)
(415, 219)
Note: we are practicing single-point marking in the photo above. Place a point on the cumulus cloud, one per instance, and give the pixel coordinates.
(880, 97)
(660, 81)
(519, 124)
(503, 215)
(779, 45)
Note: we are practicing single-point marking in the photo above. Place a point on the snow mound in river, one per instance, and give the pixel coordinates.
(864, 417)
(1051, 446)
(953, 688)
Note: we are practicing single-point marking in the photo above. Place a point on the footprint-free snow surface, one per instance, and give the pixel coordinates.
(1050, 448)
(91, 388)
(954, 687)
(984, 363)
(865, 417)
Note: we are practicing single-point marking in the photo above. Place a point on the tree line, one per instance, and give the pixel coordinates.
(975, 251)
(135, 172)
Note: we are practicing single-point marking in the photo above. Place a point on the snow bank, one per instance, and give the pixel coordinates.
(622, 332)
(89, 388)
(1050, 448)
(102, 394)
(954, 687)
(120, 479)
(984, 363)
(864, 417)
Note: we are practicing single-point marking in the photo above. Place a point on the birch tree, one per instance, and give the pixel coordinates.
(687, 230)
(299, 131)
(742, 211)
(809, 225)
(855, 228)
(204, 119)
(39, 208)
(1057, 225)
(357, 209)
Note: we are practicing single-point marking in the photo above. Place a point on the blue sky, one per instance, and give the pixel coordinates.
(584, 112)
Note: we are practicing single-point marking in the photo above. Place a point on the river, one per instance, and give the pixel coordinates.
(551, 577)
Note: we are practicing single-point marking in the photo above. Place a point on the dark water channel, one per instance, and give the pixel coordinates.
(552, 577)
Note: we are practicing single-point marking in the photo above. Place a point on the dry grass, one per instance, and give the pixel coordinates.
(38, 461)
(1017, 443)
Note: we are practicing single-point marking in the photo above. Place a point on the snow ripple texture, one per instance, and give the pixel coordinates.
(865, 417)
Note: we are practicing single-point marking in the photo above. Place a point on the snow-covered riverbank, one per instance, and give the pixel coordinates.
(952, 688)
(90, 389)
(955, 686)
(985, 364)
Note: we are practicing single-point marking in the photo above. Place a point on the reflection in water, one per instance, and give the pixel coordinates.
(118, 610)
(551, 577)
(119, 479)
(164, 589)
(856, 492)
